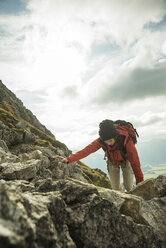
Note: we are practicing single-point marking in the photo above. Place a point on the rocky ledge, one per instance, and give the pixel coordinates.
(44, 203)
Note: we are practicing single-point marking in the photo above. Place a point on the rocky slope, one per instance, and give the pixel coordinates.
(11, 103)
(45, 203)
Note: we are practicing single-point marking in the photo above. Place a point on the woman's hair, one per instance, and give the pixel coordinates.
(107, 130)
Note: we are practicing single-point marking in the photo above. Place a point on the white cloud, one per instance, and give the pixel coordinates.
(134, 84)
(122, 21)
(150, 117)
(164, 48)
(48, 52)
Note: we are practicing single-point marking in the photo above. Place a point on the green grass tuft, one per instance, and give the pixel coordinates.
(95, 177)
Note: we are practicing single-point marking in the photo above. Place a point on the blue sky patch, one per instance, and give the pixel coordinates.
(104, 48)
(3, 31)
(153, 26)
(8, 7)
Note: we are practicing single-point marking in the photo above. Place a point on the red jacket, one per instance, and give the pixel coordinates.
(114, 153)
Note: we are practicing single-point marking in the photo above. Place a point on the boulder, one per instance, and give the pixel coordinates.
(146, 212)
(36, 154)
(153, 213)
(62, 170)
(24, 171)
(113, 196)
(151, 188)
(32, 219)
(71, 214)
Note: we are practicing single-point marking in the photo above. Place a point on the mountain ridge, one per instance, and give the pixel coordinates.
(8, 99)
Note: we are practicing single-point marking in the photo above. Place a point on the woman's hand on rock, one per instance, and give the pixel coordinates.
(64, 160)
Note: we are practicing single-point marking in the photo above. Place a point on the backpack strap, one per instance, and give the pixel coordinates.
(123, 155)
(104, 147)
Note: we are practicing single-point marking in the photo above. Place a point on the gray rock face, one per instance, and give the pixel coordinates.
(61, 171)
(32, 219)
(13, 137)
(44, 203)
(151, 188)
(66, 213)
(35, 165)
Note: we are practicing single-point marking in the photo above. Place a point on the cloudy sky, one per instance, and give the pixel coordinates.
(74, 63)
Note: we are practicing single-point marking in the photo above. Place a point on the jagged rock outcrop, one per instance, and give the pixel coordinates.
(151, 188)
(44, 204)
(34, 165)
(47, 203)
(13, 136)
(67, 214)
